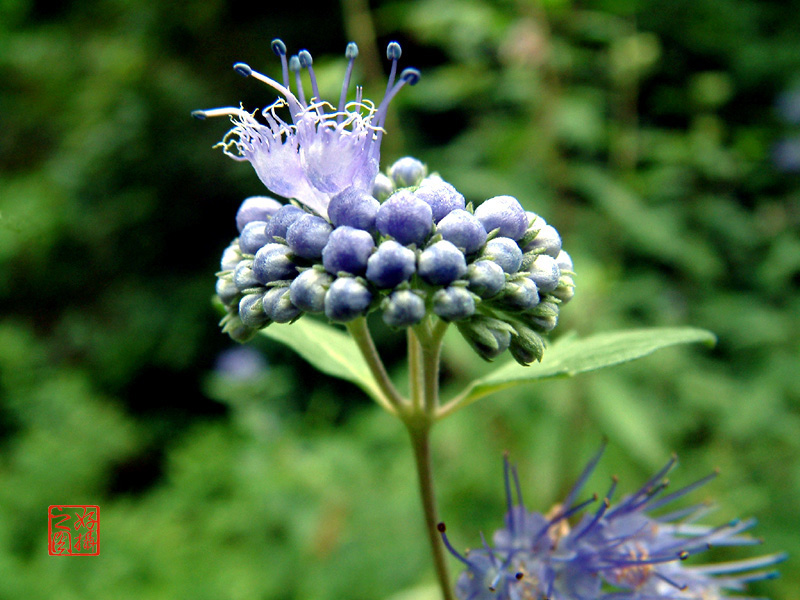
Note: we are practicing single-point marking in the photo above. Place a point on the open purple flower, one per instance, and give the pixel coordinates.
(619, 552)
(323, 149)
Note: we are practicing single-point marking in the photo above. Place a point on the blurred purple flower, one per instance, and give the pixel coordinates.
(242, 363)
(619, 552)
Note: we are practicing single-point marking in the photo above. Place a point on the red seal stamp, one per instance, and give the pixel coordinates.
(73, 530)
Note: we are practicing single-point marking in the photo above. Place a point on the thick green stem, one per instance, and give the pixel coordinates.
(360, 333)
(420, 441)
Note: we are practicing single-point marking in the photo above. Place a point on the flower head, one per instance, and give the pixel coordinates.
(620, 552)
(323, 149)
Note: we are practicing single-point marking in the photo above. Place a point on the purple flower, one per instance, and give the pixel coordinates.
(620, 551)
(323, 149)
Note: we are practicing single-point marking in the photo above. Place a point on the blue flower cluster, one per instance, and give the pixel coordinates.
(355, 240)
(499, 272)
(619, 551)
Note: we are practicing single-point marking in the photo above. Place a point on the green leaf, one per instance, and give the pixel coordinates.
(327, 349)
(570, 356)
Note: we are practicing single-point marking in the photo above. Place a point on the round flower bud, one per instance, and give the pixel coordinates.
(406, 218)
(348, 250)
(251, 311)
(382, 188)
(486, 278)
(545, 273)
(505, 252)
(308, 235)
(442, 263)
(564, 261)
(407, 172)
(463, 230)
(272, 263)
(453, 303)
(253, 237)
(230, 257)
(354, 208)
(544, 317)
(346, 299)
(256, 208)
(243, 276)
(565, 290)
(403, 308)
(442, 197)
(505, 213)
(535, 221)
(391, 265)
(282, 220)
(278, 305)
(308, 290)
(546, 242)
(227, 291)
(520, 294)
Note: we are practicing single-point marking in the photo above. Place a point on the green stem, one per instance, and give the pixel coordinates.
(420, 440)
(415, 369)
(359, 331)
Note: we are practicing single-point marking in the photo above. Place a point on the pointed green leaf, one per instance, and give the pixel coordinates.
(327, 349)
(571, 355)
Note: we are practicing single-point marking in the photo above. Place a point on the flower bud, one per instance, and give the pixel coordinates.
(243, 276)
(308, 235)
(544, 272)
(486, 278)
(403, 308)
(272, 263)
(406, 218)
(231, 257)
(309, 288)
(526, 345)
(391, 265)
(354, 208)
(256, 208)
(346, 299)
(407, 172)
(442, 197)
(519, 295)
(251, 311)
(453, 303)
(278, 305)
(227, 290)
(253, 237)
(504, 213)
(382, 188)
(505, 252)
(442, 263)
(347, 250)
(489, 337)
(463, 230)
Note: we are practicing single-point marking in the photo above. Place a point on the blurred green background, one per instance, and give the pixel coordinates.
(662, 139)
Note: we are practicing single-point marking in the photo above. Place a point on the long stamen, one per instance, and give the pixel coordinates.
(245, 70)
(306, 62)
(351, 52)
(741, 565)
(294, 66)
(441, 528)
(279, 48)
(509, 499)
(393, 53)
(684, 490)
(587, 471)
(219, 112)
(408, 76)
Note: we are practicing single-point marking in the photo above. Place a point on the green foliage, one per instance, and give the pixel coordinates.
(647, 132)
